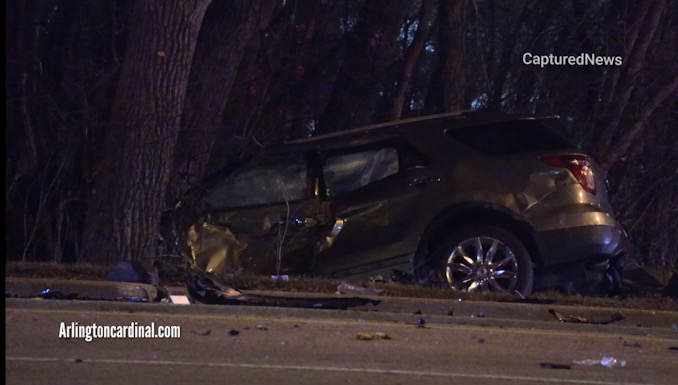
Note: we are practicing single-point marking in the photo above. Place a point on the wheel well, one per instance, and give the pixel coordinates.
(441, 228)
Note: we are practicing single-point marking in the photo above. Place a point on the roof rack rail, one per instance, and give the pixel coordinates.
(380, 125)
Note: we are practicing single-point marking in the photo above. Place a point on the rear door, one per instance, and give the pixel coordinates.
(374, 192)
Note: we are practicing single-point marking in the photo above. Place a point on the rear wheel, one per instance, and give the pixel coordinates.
(484, 258)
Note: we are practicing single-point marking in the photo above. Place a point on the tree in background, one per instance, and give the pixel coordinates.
(110, 114)
(126, 200)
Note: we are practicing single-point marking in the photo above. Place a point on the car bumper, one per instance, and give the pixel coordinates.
(583, 243)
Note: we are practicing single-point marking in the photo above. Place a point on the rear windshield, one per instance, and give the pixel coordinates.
(514, 137)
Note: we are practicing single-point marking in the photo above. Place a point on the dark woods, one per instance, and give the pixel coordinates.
(114, 109)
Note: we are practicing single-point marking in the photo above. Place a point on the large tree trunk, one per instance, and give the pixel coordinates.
(227, 29)
(124, 209)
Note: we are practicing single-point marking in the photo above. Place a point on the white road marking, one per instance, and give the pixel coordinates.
(318, 369)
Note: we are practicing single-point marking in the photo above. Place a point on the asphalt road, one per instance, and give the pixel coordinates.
(263, 345)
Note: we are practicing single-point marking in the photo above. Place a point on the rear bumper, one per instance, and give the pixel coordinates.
(575, 253)
(582, 243)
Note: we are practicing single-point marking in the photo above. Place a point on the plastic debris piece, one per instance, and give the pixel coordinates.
(480, 315)
(347, 288)
(674, 327)
(481, 340)
(581, 320)
(365, 336)
(606, 361)
(233, 332)
(377, 278)
(280, 278)
(673, 347)
(451, 313)
(261, 327)
(134, 271)
(58, 294)
(549, 365)
(179, 299)
(421, 323)
(201, 332)
(632, 345)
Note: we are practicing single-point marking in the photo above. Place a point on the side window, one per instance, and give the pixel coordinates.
(260, 184)
(347, 172)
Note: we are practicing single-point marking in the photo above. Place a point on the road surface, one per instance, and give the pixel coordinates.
(222, 344)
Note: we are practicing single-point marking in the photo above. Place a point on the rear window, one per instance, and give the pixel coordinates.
(514, 137)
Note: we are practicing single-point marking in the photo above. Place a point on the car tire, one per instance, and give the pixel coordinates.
(503, 265)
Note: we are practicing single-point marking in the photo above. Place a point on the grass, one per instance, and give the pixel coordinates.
(175, 276)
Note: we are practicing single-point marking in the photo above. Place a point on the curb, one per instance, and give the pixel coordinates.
(79, 289)
(416, 307)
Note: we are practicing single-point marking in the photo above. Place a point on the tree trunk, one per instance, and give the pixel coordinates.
(624, 86)
(629, 135)
(370, 50)
(448, 84)
(412, 57)
(226, 31)
(124, 208)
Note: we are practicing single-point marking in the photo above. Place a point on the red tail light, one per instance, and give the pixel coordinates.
(578, 165)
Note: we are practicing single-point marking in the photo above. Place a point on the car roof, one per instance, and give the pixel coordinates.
(385, 130)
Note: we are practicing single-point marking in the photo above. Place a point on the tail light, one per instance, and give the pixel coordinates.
(578, 165)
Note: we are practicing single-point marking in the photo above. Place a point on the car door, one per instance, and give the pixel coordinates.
(264, 218)
(374, 192)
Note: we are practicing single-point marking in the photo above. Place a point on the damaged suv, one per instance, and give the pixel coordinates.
(462, 200)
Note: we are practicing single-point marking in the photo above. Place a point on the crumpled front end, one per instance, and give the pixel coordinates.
(263, 242)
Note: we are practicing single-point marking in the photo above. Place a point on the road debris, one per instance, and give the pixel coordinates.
(367, 336)
(58, 294)
(134, 271)
(206, 289)
(606, 361)
(233, 332)
(632, 345)
(549, 365)
(581, 320)
(201, 332)
(347, 288)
